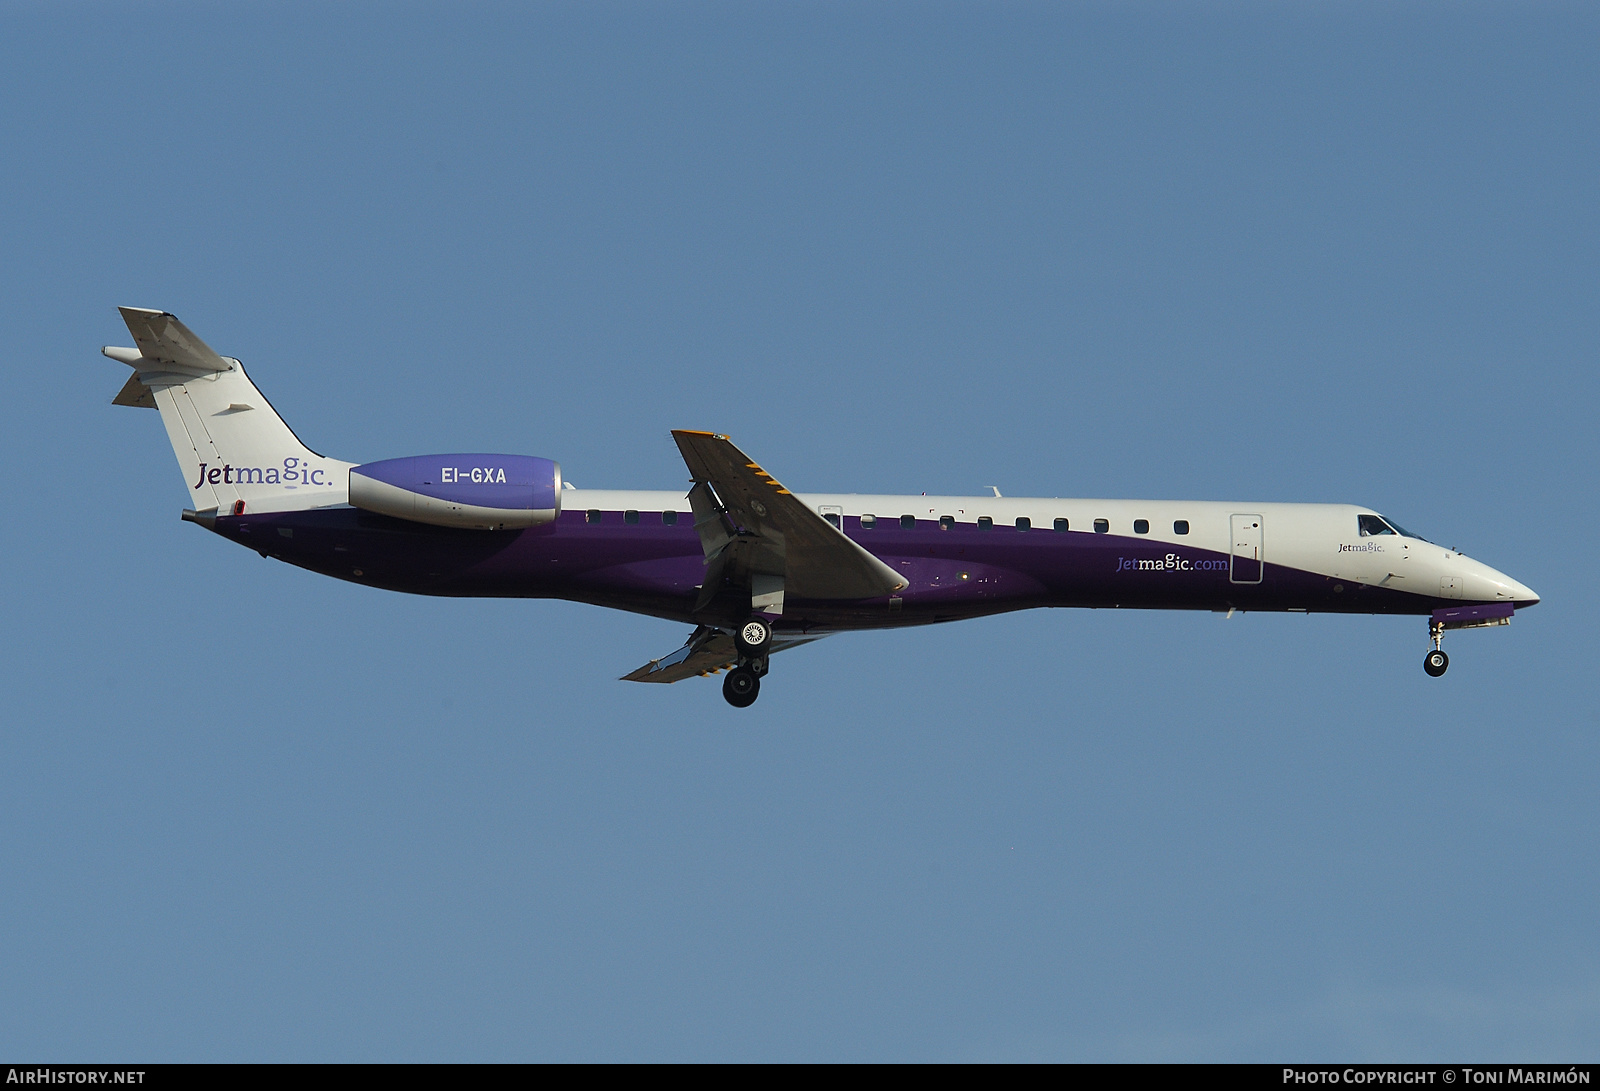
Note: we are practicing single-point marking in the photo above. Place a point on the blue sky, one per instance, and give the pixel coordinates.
(1233, 252)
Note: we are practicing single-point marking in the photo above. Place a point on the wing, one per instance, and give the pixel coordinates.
(707, 651)
(752, 527)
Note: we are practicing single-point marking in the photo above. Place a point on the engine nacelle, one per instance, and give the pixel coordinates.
(477, 492)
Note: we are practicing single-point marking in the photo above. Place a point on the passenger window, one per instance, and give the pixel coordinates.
(1102, 526)
(631, 517)
(1180, 526)
(1141, 526)
(1024, 523)
(1372, 526)
(1061, 524)
(985, 523)
(946, 522)
(593, 516)
(869, 522)
(669, 518)
(908, 522)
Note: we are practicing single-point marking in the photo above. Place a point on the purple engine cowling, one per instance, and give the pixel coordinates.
(478, 492)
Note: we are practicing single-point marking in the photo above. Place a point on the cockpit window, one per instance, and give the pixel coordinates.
(1372, 525)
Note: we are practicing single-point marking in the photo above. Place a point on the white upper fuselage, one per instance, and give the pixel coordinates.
(1316, 538)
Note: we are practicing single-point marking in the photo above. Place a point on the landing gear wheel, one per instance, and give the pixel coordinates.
(1436, 663)
(741, 687)
(753, 637)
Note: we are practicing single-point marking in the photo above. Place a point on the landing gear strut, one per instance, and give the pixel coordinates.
(1436, 662)
(743, 684)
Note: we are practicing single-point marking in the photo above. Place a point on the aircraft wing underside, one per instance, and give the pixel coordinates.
(756, 534)
(707, 651)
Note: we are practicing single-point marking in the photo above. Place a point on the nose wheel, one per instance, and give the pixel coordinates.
(1436, 662)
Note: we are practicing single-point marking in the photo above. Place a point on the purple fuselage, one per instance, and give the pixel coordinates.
(650, 568)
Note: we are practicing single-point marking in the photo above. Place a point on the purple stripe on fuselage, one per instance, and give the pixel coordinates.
(652, 568)
(1451, 615)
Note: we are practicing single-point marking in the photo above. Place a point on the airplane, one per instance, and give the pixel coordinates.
(755, 568)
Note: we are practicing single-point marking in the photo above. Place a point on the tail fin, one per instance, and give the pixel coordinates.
(235, 451)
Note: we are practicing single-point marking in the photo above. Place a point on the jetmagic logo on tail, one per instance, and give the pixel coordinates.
(295, 472)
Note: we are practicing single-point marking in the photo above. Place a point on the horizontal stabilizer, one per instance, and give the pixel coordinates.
(707, 652)
(164, 339)
(136, 394)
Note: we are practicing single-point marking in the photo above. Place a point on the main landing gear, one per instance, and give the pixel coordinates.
(742, 686)
(1436, 662)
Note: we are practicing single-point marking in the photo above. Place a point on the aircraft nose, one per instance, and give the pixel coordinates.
(1497, 586)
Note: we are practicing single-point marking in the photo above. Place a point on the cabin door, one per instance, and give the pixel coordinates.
(832, 514)
(1247, 561)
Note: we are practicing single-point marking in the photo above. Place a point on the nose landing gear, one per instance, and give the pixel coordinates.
(743, 684)
(1436, 662)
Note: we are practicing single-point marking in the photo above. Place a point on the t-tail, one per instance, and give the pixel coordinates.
(235, 452)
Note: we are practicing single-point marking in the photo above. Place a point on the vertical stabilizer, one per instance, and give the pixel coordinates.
(231, 444)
